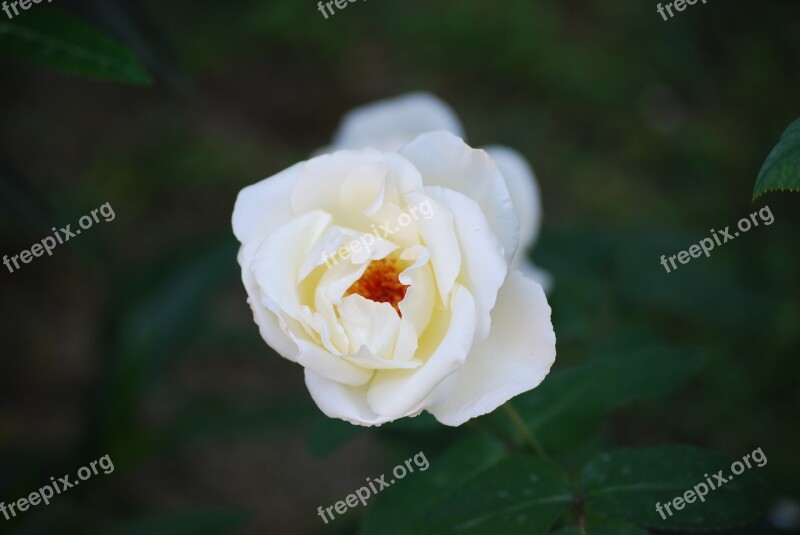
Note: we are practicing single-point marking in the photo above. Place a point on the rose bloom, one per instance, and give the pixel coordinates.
(390, 268)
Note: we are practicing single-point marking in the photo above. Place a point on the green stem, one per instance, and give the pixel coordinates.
(517, 422)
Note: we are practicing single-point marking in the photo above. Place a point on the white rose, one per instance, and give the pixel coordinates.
(418, 309)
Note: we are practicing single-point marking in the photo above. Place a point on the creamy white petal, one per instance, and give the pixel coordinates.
(420, 299)
(483, 267)
(346, 246)
(407, 341)
(328, 290)
(328, 183)
(269, 325)
(393, 222)
(333, 367)
(398, 393)
(371, 324)
(262, 207)
(524, 190)
(514, 359)
(438, 234)
(532, 271)
(341, 401)
(280, 256)
(364, 358)
(390, 124)
(445, 160)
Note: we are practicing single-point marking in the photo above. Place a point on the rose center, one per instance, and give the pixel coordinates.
(381, 283)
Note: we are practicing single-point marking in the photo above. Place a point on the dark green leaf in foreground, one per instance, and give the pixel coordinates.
(626, 484)
(781, 170)
(58, 40)
(602, 528)
(195, 522)
(569, 404)
(521, 494)
(397, 508)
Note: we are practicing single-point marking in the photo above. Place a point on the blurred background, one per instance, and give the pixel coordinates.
(134, 339)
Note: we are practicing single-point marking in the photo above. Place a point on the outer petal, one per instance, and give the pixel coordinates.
(514, 359)
(390, 124)
(341, 401)
(524, 190)
(268, 322)
(262, 207)
(532, 271)
(445, 160)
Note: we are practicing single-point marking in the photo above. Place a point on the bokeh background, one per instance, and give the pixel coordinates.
(135, 340)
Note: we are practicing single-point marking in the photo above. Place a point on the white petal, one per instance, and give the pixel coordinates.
(262, 207)
(399, 393)
(341, 401)
(445, 160)
(407, 341)
(331, 183)
(371, 324)
(328, 288)
(317, 359)
(359, 247)
(483, 267)
(524, 190)
(514, 359)
(280, 256)
(420, 299)
(390, 124)
(365, 359)
(439, 235)
(532, 271)
(269, 325)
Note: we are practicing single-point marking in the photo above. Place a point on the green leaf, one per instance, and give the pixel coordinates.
(781, 170)
(194, 522)
(570, 403)
(397, 508)
(627, 484)
(521, 494)
(63, 42)
(602, 528)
